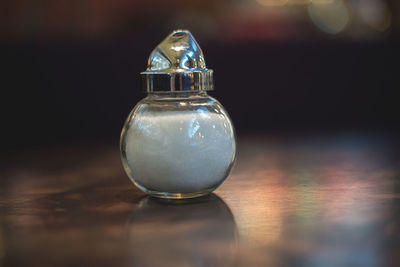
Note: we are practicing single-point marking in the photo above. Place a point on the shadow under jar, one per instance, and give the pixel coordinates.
(178, 142)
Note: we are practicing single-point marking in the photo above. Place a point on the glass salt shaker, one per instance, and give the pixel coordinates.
(178, 142)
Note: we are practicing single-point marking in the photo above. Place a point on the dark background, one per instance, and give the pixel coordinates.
(64, 82)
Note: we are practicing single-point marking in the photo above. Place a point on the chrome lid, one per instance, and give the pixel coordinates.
(177, 64)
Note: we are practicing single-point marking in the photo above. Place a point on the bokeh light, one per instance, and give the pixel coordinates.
(236, 20)
(375, 13)
(330, 16)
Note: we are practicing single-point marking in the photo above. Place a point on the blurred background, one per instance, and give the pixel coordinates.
(70, 68)
(309, 84)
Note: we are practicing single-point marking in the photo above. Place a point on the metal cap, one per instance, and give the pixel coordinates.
(177, 64)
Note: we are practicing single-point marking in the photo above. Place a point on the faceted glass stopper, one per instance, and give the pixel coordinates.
(177, 64)
(178, 52)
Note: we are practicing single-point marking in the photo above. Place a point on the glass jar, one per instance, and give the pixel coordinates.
(178, 142)
(178, 145)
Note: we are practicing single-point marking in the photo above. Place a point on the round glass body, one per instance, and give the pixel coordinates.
(178, 144)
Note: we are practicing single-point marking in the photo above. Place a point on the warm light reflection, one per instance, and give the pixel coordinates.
(299, 2)
(260, 220)
(308, 196)
(272, 2)
(292, 2)
(322, 2)
(315, 199)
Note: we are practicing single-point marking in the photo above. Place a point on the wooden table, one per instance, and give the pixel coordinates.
(306, 201)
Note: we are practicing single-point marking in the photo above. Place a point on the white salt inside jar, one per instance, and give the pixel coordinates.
(180, 151)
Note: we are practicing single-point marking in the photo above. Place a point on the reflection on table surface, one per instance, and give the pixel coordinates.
(197, 231)
(312, 201)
